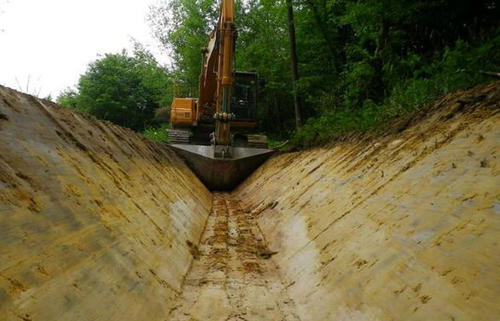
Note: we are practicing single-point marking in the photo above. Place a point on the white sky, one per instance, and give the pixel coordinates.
(51, 42)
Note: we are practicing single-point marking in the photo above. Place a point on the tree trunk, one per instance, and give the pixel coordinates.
(377, 88)
(294, 64)
(278, 114)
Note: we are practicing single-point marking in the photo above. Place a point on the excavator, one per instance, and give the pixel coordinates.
(216, 132)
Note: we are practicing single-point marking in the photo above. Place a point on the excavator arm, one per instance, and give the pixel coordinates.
(221, 165)
(216, 79)
(223, 114)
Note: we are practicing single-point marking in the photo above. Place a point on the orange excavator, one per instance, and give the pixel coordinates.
(215, 133)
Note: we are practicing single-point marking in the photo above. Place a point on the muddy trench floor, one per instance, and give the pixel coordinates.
(233, 276)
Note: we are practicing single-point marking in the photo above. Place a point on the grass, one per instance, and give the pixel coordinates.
(157, 134)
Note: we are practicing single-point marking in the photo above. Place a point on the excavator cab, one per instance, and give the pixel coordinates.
(244, 100)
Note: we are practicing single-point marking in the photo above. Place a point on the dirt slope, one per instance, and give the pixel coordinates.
(94, 219)
(401, 227)
(98, 223)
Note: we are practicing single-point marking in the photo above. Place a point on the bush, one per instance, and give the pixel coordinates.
(124, 89)
(458, 67)
(158, 134)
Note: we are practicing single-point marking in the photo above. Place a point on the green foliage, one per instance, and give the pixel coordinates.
(262, 46)
(68, 98)
(157, 134)
(121, 88)
(458, 67)
(276, 143)
(361, 63)
(182, 27)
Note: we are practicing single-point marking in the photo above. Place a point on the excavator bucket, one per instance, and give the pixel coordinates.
(222, 174)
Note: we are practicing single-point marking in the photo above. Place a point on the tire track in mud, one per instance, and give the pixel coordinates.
(233, 276)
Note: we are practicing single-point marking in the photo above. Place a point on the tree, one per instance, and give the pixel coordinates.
(121, 88)
(353, 56)
(68, 98)
(263, 46)
(294, 63)
(182, 27)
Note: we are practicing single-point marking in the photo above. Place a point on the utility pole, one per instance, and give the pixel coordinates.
(294, 63)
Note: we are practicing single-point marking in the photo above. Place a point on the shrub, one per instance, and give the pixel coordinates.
(158, 134)
(459, 67)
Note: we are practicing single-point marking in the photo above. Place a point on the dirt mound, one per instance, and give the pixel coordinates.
(94, 218)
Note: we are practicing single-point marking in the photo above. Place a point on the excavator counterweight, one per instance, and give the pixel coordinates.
(215, 133)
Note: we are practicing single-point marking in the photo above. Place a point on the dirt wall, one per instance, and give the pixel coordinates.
(397, 226)
(99, 223)
(95, 220)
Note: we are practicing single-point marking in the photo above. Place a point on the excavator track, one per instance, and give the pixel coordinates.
(233, 276)
(179, 136)
(257, 141)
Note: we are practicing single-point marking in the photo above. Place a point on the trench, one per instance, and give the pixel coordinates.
(233, 276)
(99, 223)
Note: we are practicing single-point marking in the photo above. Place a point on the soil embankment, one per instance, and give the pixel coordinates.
(98, 223)
(94, 219)
(400, 227)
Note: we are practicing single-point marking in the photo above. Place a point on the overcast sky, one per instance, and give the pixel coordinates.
(51, 42)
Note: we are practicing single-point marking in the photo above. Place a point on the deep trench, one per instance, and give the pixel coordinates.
(99, 223)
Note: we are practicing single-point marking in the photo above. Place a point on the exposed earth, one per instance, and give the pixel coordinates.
(99, 223)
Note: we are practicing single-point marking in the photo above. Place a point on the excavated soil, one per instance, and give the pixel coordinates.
(99, 223)
(403, 226)
(94, 219)
(232, 277)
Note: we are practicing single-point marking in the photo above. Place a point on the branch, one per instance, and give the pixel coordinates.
(489, 73)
